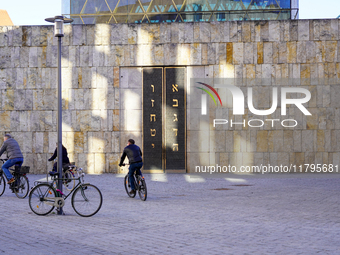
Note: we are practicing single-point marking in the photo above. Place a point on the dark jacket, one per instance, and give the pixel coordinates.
(133, 153)
(65, 157)
(12, 148)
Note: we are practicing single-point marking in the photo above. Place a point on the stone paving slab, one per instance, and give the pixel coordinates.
(183, 215)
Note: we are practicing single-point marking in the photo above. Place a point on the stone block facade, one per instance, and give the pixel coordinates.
(101, 102)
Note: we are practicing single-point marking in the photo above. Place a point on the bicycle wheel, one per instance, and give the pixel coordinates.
(87, 200)
(142, 192)
(22, 188)
(2, 185)
(69, 182)
(42, 198)
(127, 187)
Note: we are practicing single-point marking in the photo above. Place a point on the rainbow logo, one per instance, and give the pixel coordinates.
(204, 97)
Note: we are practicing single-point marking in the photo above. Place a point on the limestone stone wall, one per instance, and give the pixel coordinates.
(96, 112)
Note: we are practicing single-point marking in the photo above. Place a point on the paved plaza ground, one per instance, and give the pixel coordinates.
(184, 215)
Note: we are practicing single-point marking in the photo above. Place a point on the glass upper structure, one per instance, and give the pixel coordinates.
(157, 11)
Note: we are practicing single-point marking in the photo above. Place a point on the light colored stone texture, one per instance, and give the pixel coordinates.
(331, 51)
(267, 53)
(292, 52)
(233, 31)
(175, 32)
(237, 53)
(325, 29)
(262, 141)
(216, 33)
(274, 28)
(3, 36)
(301, 52)
(15, 57)
(249, 53)
(205, 31)
(196, 53)
(303, 30)
(293, 30)
(246, 32)
(165, 32)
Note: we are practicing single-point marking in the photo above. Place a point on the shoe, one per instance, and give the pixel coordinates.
(11, 181)
(132, 192)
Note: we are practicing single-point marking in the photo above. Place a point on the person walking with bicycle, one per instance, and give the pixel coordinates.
(134, 154)
(14, 156)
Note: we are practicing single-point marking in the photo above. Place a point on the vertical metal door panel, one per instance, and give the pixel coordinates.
(152, 118)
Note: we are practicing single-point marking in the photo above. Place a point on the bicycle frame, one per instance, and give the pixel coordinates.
(63, 197)
(15, 174)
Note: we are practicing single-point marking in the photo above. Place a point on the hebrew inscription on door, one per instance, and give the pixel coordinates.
(164, 128)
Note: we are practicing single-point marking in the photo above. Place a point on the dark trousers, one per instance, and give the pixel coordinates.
(132, 168)
(55, 166)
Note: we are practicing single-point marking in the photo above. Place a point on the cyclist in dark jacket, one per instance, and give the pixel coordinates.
(65, 159)
(14, 155)
(134, 155)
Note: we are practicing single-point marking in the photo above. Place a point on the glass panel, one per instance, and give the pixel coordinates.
(161, 6)
(255, 5)
(122, 7)
(77, 6)
(89, 20)
(179, 4)
(222, 16)
(76, 20)
(236, 16)
(213, 4)
(112, 4)
(112, 20)
(246, 17)
(268, 4)
(126, 6)
(212, 18)
(284, 15)
(196, 5)
(96, 6)
(136, 8)
(145, 4)
(230, 5)
(135, 18)
(271, 4)
(284, 3)
(197, 17)
(121, 18)
(159, 18)
(263, 15)
(102, 19)
(246, 3)
(179, 18)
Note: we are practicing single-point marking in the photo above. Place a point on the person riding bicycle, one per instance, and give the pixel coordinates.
(134, 154)
(14, 156)
(65, 159)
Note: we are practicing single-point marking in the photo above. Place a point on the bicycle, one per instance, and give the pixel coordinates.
(140, 185)
(21, 184)
(69, 172)
(86, 199)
